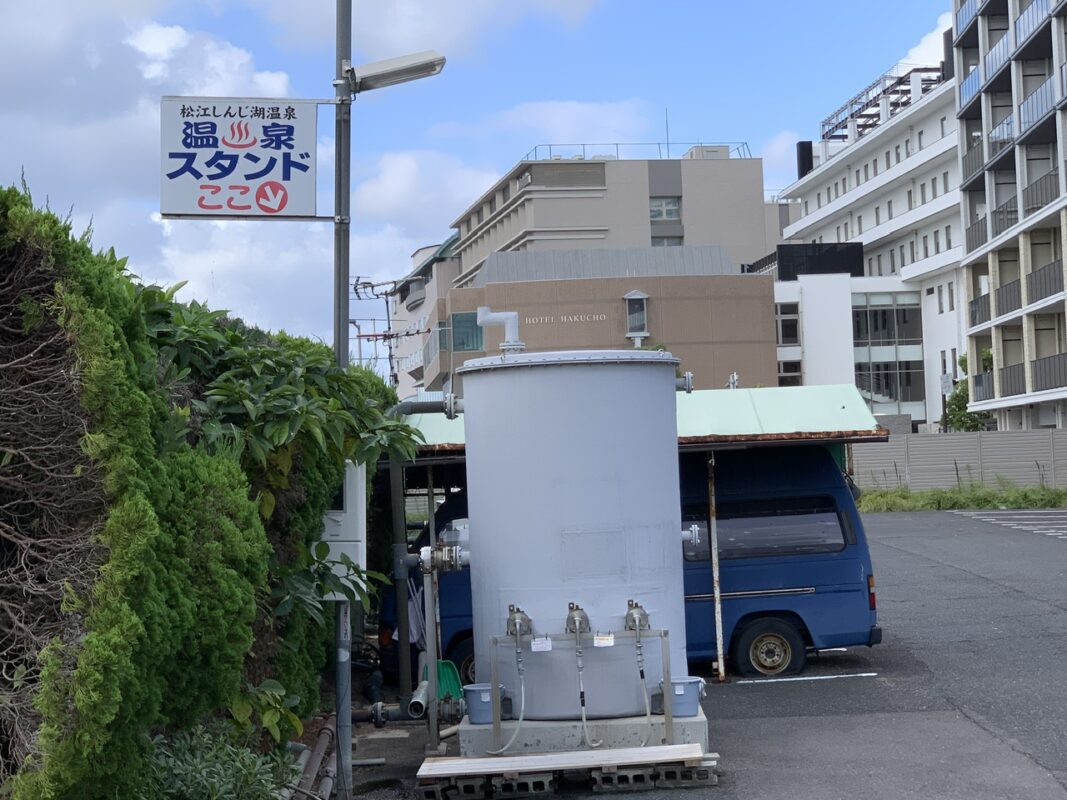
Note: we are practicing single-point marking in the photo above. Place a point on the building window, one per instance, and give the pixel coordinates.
(636, 316)
(789, 373)
(874, 167)
(944, 181)
(492, 205)
(937, 242)
(846, 231)
(911, 200)
(948, 237)
(907, 148)
(926, 246)
(940, 299)
(951, 303)
(859, 224)
(877, 215)
(896, 154)
(857, 177)
(505, 194)
(889, 209)
(838, 231)
(818, 199)
(805, 208)
(870, 265)
(878, 260)
(933, 187)
(955, 363)
(920, 140)
(892, 261)
(884, 320)
(911, 251)
(837, 190)
(902, 256)
(866, 172)
(788, 321)
(666, 241)
(479, 216)
(887, 159)
(922, 193)
(944, 122)
(467, 333)
(665, 208)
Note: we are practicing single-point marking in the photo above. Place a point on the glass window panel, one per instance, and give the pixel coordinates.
(909, 325)
(861, 330)
(790, 331)
(635, 316)
(779, 526)
(883, 326)
(466, 333)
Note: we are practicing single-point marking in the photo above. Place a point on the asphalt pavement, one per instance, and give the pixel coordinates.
(965, 698)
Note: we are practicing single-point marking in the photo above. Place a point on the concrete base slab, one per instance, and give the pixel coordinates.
(550, 736)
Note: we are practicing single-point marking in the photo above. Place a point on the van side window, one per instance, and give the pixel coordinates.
(779, 526)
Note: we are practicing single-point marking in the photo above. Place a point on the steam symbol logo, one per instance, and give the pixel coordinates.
(240, 136)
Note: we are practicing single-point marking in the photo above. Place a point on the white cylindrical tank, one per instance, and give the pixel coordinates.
(572, 473)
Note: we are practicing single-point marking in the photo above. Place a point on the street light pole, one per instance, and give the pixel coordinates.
(341, 200)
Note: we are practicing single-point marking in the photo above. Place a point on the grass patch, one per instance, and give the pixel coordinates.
(970, 497)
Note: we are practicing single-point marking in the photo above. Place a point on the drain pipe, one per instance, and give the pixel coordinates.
(510, 320)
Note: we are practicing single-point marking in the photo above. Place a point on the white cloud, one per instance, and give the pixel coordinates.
(930, 50)
(421, 191)
(779, 160)
(386, 29)
(560, 121)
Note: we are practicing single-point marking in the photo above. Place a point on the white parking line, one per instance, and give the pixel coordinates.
(1049, 522)
(811, 678)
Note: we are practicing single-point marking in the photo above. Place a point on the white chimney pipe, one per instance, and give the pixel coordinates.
(510, 321)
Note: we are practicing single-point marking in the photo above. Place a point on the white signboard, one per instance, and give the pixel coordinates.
(946, 384)
(238, 157)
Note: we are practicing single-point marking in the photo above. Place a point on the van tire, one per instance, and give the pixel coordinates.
(769, 647)
(462, 655)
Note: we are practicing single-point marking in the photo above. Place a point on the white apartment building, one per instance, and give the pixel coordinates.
(1011, 68)
(884, 175)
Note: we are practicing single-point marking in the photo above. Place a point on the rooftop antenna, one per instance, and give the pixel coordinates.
(667, 126)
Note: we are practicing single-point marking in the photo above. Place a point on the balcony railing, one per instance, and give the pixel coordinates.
(966, 14)
(977, 234)
(974, 159)
(983, 386)
(998, 54)
(1013, 380)
(1038, 103)
(1005, 215)
(1031, 18)
(1041, 192)
(1002, 135)
(980, 310)
(1045, 282)
(1010, 297)
(970, 85)
(1050, 372)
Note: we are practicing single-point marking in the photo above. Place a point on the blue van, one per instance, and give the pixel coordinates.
(795, 569)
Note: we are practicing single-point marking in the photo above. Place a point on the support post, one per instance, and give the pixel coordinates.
(714, 545)
(668, 688)
(400, 576)
(342, 193)
(430, 605)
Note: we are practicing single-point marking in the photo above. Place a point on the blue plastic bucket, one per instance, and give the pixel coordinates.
(479, 700)
(685, 695)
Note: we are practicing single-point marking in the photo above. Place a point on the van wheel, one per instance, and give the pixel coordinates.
(462, 655)
(769, 647)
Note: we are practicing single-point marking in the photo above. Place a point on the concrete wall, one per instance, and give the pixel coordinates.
(715, 324)
(947, 460)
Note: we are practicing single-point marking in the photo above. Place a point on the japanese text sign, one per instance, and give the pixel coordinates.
(238, 157)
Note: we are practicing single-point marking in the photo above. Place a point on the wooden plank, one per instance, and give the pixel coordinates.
(549, 762)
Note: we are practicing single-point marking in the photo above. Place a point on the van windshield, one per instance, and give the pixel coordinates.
(778, 526)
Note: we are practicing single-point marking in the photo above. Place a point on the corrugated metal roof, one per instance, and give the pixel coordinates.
(632, 262)
(729, 416)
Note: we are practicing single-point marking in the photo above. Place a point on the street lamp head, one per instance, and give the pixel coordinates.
(391, 71)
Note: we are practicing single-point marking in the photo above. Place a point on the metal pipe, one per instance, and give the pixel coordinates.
(311, 769)
(419, 701)
(406, 408)
(430, 612)
(510, 321)
(581, 690)
(400, 575)
(328, 774)
(522, 696)
(447, 733)
(716, 590)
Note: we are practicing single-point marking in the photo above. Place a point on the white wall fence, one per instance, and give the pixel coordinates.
(948, 460)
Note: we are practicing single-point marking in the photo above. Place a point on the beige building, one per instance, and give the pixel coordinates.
(587, 247)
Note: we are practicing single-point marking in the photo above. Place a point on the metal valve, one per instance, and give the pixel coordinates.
(519, 622)
(444, 558)
(577, 619)
(636, 618)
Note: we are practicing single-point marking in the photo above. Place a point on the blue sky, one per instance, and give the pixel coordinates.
(82, 81)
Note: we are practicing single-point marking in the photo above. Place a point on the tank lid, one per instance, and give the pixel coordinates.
(567, 357)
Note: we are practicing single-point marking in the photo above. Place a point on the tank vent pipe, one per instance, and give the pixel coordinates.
(510, 320)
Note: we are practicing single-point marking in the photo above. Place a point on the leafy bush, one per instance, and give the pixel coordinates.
(971, 497)
(206, 764)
